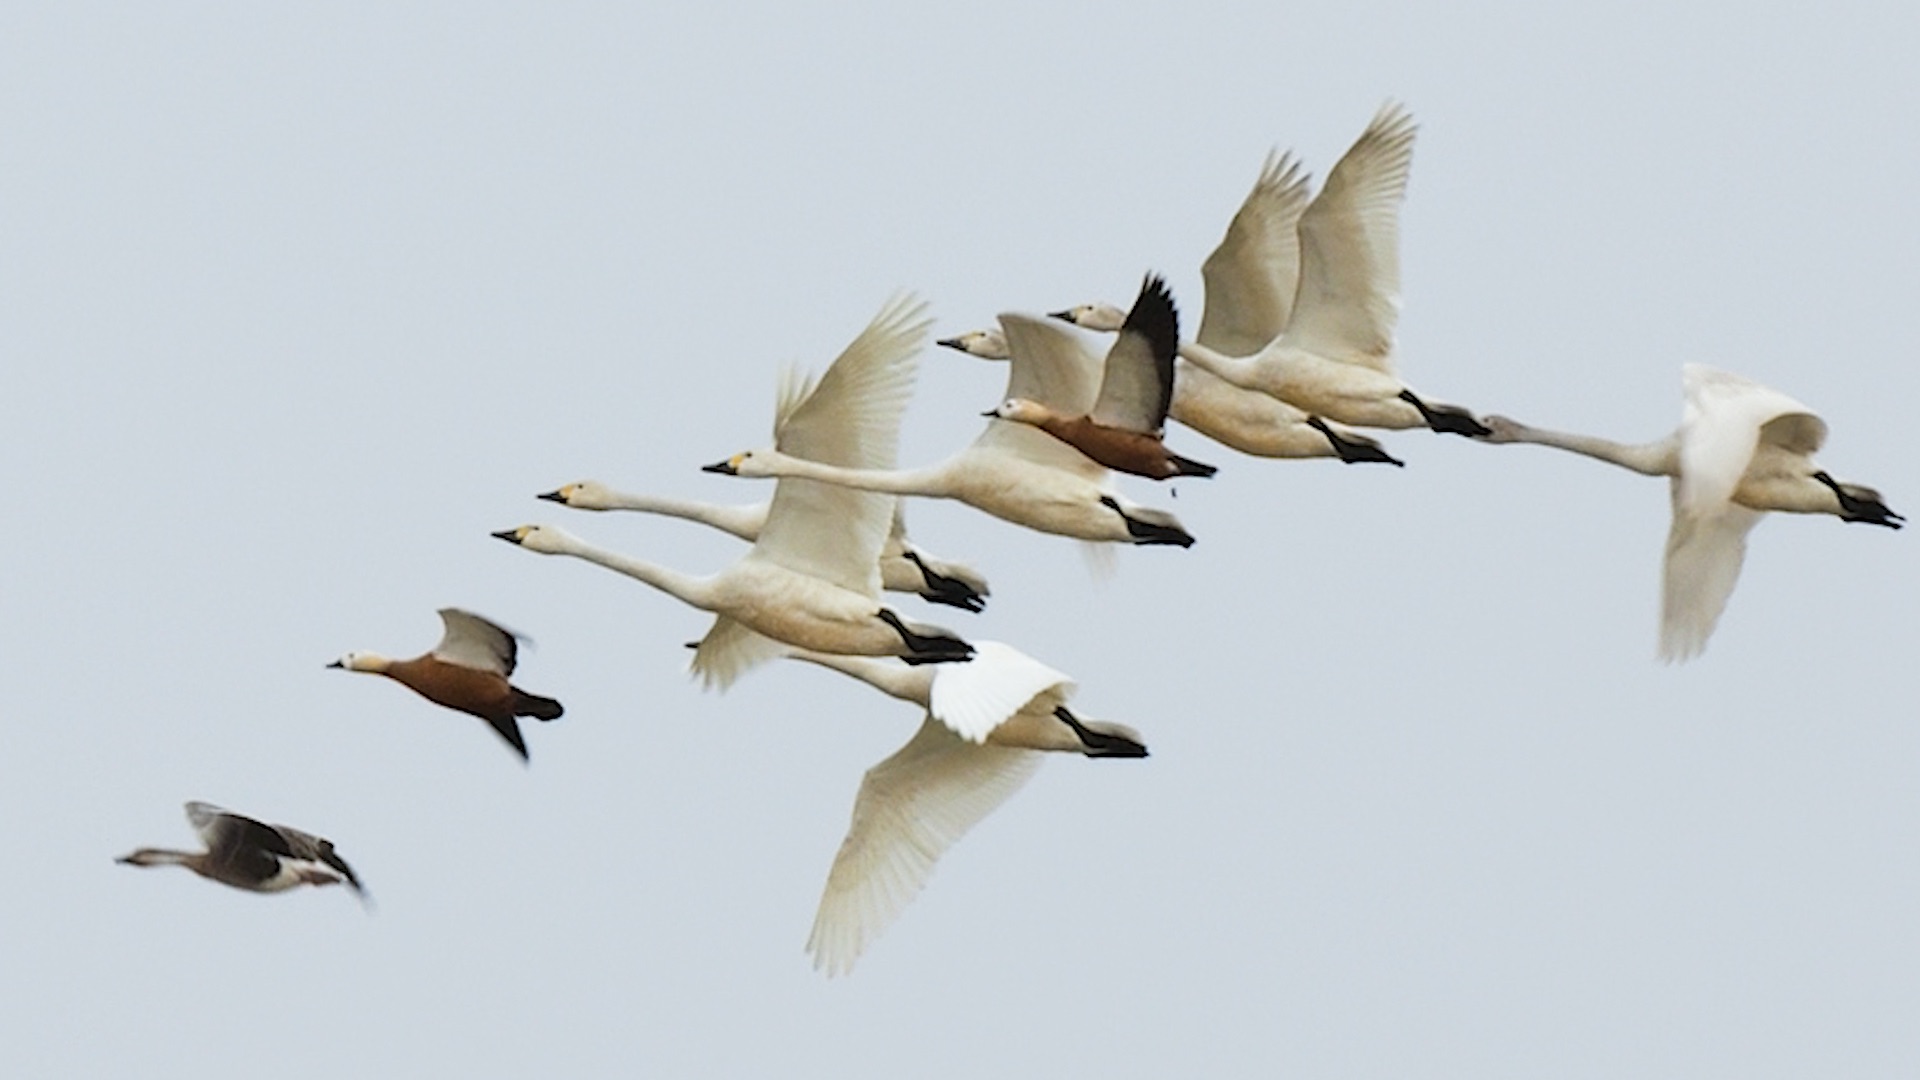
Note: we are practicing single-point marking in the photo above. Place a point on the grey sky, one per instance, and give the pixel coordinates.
(296, 306)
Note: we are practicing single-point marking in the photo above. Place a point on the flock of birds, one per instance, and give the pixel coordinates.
(1293, 353)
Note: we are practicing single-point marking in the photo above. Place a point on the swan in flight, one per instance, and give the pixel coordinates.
(1250, 282)
(467, 671)
(975, 748)
(252, 855)
(1014, 472)
(904, 566)
(812, 578)
(1126, 427)
(1741, 449)
(1334, 360)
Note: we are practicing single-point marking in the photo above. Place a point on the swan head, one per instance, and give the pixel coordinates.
(1021, 411)
(1501, 430)
(1092, 316)
(1861, 503)
(544, 539)
(362, 661)
(748, 463)
(585, 495)
(985, 344)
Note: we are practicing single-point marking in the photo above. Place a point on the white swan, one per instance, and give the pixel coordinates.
(1250, 282)
(812, 579)
(904, 566)
(973, 750)
(1014, 472)
(1741, 449)
(1335, 358)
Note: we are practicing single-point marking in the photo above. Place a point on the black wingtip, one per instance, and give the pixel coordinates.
(1154, 316)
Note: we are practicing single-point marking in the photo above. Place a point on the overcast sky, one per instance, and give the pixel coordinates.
(297, 304)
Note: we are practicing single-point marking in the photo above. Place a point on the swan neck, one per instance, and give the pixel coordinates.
(1650, 459)
(887, 481)
(742, 521)
(692, 590)
(909, 684)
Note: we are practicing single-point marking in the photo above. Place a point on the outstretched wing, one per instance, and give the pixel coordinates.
(1704, 553)
(1051, 364)
(911, 808)
(1348, 302)
(850, 418)
(974, 697)
(473, 642)
(729, 649)
(1137, 382)
(1722, 428)
(1252, 276)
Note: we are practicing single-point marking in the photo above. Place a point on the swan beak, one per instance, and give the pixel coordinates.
(337, 664)
(1063, 316)
(511, 536)
(991, 414)
(559, 496)
(952, 343)
(725, 468)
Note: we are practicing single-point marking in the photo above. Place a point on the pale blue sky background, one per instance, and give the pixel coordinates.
(297, 305)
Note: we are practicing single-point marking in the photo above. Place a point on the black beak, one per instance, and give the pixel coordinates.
(952, 343)
(1063, 316)
(552, 496)
(991, 414)
(724, 468)
(337, 664)
(511, 536)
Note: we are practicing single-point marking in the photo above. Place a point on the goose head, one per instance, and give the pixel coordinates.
(1021, 411)
(362, 661)
(1092, 316)
(985, 344)
(585, 495)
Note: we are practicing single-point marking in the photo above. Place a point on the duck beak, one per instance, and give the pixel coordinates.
(991, 414)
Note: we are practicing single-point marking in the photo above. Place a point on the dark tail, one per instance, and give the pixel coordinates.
(540, 708)
(1188, 467)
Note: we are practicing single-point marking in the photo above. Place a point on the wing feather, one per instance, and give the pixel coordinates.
(977, 696)
(1252, 276)
(1136, 384)
(473, 642)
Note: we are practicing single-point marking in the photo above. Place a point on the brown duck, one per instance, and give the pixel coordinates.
(467, 671)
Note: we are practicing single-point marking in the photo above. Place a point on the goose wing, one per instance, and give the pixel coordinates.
(1349, 297)
(974, 697)
(250, 849)
(320, 850)
(911, 808)
(850, 418)
(1137, 383)
(473, 642)
(1252, 276)
(1050, 364)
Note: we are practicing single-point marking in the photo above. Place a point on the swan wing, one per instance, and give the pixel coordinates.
(473, 642)
(1349, 297)
(911, 808)
(1136, 385)
(1252, 276)
(974, 697)
(1050, 362)
(850, 417)
(728, 650)
(1724, 426)
(1704, 553)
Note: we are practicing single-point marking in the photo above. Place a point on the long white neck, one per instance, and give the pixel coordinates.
(931, 481)
(1660, 458)
(744, 522)
(1238, 370)
(697, 591)
(914, 684)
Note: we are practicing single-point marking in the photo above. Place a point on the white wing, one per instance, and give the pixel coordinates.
(1349, 298)
(1252, 276)
(974, 697)
(850, 418)
(911, 808)
(730, 649)
(1720, 432)
(1704, 553)
(473, 642)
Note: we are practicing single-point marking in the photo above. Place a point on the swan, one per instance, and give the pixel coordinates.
(1250, 280)
(467, 671)
(1741, 449)
(812, 578)
(1334, 360)
(252, 855)
(973, 750)
(904, 566)
(1011, 471)
(1125, 428)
